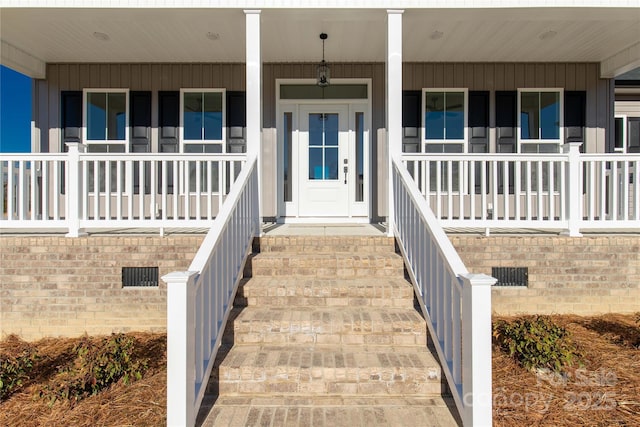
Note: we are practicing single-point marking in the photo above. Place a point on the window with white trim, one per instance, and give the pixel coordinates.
(105, 129)
(202, 120)
(444, 117)
(540, 120)
(202, 130)
(444, 130)
(627, 134)
(106, 117)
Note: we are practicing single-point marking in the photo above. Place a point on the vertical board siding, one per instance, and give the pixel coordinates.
(512, 76)
(135, 77)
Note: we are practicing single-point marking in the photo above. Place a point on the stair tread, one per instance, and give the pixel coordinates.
(389, 319)
(332, 411)
(290, 292)
(268, 355)
(312, 282)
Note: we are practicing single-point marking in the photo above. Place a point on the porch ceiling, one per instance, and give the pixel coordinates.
(291, 35)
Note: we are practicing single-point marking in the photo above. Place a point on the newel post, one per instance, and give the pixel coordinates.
(476, 349)
(573, 189)
(181, 364)
(74, 189)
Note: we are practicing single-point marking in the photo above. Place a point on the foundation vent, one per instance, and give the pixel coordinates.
(511, 276)
(139, 276)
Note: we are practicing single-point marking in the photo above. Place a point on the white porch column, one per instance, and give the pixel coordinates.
(254, 90)
(394, 102)
(74, 189)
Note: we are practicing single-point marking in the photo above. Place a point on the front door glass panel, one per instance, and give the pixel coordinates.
(323, 146)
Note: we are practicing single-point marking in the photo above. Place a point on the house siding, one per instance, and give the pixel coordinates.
(494, 77)
(489, 77)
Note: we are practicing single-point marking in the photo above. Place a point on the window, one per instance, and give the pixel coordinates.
(445, 118)
(540, 120)
(444, 127)
(202, 123)
(105, 130)
(106, 118)
(627, 134)
(202, 120)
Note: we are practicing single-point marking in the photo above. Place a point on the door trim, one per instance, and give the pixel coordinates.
(288, 211)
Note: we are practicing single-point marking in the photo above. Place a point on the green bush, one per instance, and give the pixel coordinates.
(14, 370)
(97, 365)
(536, 342)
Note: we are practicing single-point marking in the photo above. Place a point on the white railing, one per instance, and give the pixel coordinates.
(199, 300)
(456, 304)
(80, 191)
(568, 191)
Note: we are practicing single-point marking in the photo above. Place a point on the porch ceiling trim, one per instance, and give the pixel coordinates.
(319, 4)
(623, 61)
(21, 61)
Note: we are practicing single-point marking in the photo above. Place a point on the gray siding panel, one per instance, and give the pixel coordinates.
(511, 76)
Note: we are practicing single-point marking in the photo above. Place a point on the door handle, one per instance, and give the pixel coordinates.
(346, 170)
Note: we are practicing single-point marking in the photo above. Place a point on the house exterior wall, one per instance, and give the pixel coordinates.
(56, 286)
(511, 76)
(588, 275)
(489, 77)
(142, 77)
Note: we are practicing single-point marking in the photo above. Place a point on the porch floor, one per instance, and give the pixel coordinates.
(324, 229)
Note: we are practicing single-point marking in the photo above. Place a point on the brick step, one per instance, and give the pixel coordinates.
(329, 325)
(320, 370)
(325, 292)
(331, 411)
(327, 244)
(334, 265)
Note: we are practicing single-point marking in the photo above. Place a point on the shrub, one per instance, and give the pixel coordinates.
(536, 342)
(14, 370)
(97, 365)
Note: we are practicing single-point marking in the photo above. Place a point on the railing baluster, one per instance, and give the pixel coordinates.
(603, 191)
(11, 191)
(107, 191)
(44, 188)
(58, 185)
(153, 189)
(636, 185)
(198, 187)
(494, 189)
(517, 183)
(177, 166)
(21, 193)
(209, 189)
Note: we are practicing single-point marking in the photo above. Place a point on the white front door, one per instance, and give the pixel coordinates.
(323, 159)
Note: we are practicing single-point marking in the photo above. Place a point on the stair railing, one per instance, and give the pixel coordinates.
(199, 300)
(456, 304)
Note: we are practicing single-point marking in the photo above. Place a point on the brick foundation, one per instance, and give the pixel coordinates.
(57, 286)
(587, 275)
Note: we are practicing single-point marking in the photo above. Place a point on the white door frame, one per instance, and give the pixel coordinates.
(359, 212)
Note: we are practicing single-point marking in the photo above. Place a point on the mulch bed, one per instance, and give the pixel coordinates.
(141, 403)
(604, 391)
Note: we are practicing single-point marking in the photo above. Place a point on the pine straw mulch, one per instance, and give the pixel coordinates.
(605, 391)
(141, 403)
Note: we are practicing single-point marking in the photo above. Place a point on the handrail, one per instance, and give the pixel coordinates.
(456, 304)
(199, 300)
